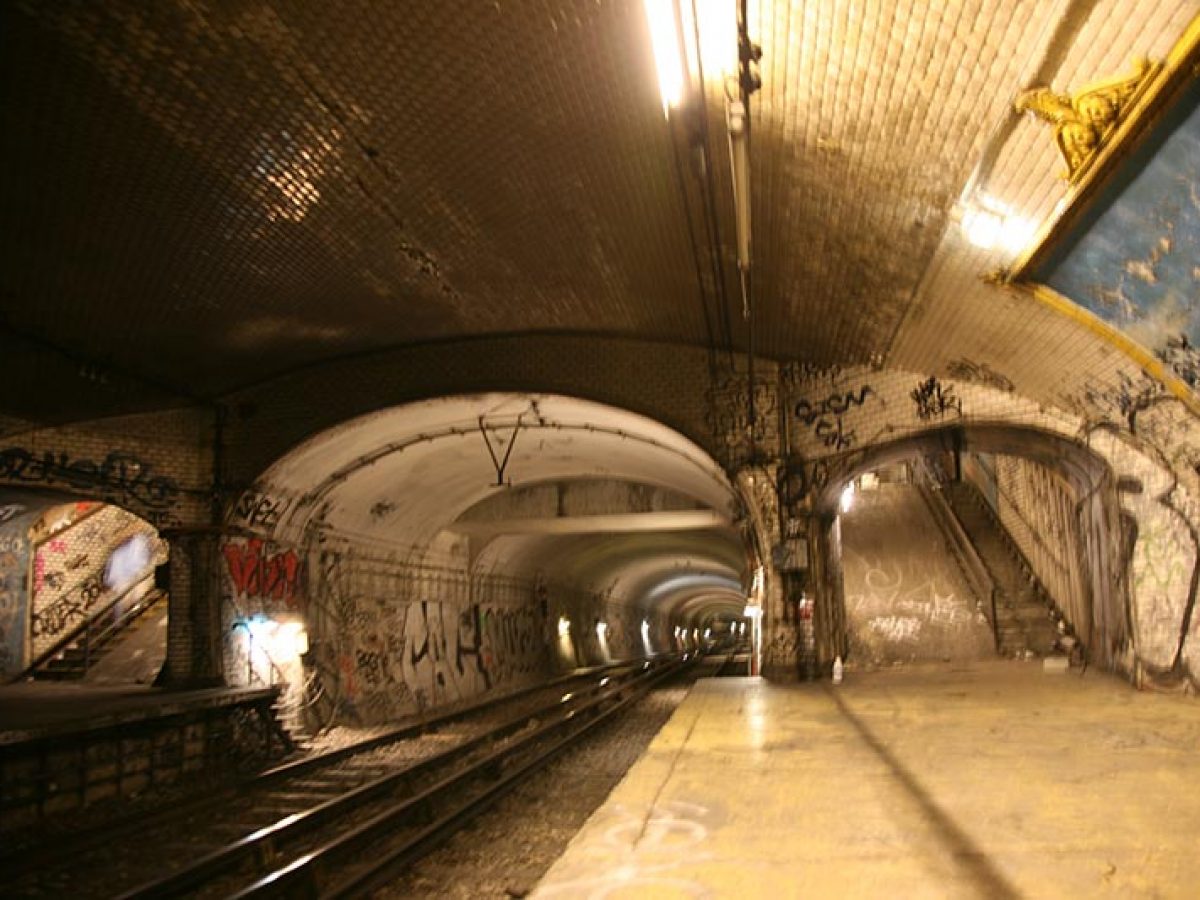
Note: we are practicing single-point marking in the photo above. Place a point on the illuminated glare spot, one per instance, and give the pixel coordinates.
(664, 36)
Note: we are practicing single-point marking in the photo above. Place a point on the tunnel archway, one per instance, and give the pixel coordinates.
(82, 590)
(1092, 600)
(435, 550)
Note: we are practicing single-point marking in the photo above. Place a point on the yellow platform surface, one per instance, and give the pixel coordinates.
(995, 781)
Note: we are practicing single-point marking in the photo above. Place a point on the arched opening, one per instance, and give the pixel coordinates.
(421, 555)
(82, 590)
(971, 542)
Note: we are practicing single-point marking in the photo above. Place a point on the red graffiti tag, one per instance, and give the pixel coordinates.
(256, 574)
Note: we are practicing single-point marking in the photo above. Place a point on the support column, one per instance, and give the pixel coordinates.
(780, 633)
(826, 591)
(194, 638)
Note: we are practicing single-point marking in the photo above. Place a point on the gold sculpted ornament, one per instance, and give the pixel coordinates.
(1083, 122)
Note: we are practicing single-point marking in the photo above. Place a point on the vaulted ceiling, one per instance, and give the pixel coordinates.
(197, 195)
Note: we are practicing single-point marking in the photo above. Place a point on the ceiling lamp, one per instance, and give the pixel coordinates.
(693, 40)
(989, 224)
(666, 34)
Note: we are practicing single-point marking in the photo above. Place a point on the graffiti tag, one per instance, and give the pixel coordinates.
(825, 416)
(257, 573)
(260, 510)
(980, 373)
(934, 400)
(120, 474)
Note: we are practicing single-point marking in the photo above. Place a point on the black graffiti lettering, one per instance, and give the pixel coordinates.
(934, 400)
(260, 510)
(825, 416)
(981, 373)
(121, 475)
(835, 404)
(10, 511)
(67, 611)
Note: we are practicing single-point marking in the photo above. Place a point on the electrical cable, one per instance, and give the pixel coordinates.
(687, 213)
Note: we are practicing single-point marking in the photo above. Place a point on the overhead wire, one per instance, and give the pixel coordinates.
(709, 190)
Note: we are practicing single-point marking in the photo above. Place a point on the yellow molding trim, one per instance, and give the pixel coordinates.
(1181, 65)
(1114, 337)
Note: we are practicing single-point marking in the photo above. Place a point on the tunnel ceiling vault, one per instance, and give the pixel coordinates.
(400, 476)
(201, 196)
(652, 571)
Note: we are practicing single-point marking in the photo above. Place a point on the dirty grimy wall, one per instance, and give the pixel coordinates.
(1140, 529)
(906, 601)
(385, 638)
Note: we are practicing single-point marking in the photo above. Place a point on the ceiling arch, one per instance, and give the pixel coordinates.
(1083, 468)
(398, 477)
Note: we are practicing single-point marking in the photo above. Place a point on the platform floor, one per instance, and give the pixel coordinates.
(995, 781)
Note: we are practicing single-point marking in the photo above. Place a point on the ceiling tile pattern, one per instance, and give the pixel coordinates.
(208, 194)
(870, 120)
(253, 186)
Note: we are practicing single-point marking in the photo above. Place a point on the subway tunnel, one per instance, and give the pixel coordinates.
(370, 367)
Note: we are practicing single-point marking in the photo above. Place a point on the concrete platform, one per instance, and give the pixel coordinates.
(34, 710)
(996, 781)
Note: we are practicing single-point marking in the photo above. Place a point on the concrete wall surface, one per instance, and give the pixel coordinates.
(906, 600)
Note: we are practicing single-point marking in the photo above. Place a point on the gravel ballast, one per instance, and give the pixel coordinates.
(505, 851)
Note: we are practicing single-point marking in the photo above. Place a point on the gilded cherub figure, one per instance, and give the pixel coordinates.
(1083, 122)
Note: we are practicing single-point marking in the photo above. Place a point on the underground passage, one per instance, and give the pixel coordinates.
(639, 448)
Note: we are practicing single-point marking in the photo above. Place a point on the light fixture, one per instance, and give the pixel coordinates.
(752, 611)
(718, 37)
(739, 161)
(662, 16)
(848, 497)
(988, 223)
(601, 629)
(564, 626)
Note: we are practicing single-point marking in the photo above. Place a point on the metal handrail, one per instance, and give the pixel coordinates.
(149, 599)
(83, 629)
(975, 569)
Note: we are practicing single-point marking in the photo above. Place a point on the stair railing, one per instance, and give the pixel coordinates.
(84, 629)
(122, 621)
(979, 579)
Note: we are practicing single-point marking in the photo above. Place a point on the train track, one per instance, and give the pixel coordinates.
(730, 664)
(336, 824)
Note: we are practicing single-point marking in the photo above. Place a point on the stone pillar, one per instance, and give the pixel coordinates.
(826, 592)
(780, 641)
(194, 639)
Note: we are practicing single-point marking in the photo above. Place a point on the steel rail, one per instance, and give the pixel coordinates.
(25, 862)
(264, 843)
(304, 875)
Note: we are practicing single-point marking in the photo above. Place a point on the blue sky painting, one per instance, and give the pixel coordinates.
(1137, 265)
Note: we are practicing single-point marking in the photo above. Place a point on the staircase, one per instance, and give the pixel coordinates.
(1025, 622)
(72, 661)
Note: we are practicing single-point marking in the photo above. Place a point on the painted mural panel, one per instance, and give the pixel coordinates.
(1137, 264)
